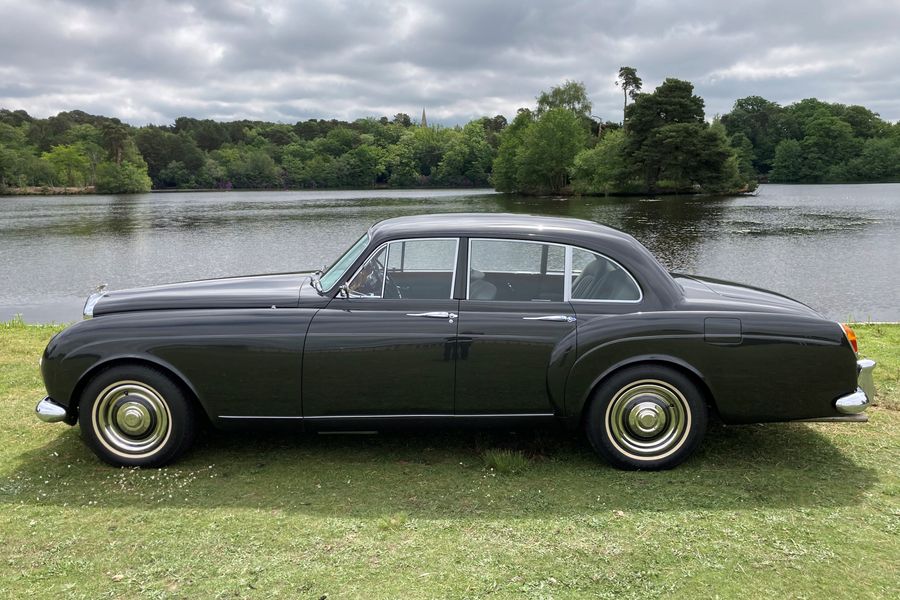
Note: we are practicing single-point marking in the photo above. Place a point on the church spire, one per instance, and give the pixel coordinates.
(424, 120)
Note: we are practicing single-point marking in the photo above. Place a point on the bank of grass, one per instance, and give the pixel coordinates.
(792, 510)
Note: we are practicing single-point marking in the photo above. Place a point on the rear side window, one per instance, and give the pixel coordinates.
(513, 270)
(595, 277)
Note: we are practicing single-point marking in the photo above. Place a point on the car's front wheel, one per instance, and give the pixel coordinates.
(136, 416)
(646, 417)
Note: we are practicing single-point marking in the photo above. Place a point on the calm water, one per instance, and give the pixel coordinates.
(836, 248)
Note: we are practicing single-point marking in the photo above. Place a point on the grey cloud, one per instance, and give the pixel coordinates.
(156, 60)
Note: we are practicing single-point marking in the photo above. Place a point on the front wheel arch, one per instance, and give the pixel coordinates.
(176, 377)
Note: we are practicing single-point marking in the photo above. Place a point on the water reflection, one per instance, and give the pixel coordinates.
(52, 250)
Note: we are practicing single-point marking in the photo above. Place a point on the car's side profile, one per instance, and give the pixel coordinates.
(449, 319)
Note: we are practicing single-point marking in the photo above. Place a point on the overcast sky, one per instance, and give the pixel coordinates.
(151, 61)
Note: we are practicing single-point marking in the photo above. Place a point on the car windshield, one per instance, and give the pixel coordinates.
(335, 271)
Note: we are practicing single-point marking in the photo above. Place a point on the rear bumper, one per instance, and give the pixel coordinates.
(49, 411)
(859, 400)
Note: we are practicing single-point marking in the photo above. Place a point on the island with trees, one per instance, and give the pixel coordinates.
(664, 143)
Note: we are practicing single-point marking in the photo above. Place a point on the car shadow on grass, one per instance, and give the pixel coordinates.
(441, 474)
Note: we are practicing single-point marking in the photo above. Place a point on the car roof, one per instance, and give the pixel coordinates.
(495, 224)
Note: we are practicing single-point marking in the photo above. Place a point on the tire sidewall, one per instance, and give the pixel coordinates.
(596, 425)
(181, 428)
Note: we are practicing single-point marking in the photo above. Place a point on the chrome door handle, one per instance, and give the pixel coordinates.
(434, 315)
(558, 318)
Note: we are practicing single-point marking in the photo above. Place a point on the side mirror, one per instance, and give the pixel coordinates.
(344, 290)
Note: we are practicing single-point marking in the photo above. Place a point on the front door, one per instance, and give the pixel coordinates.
(387, 349)
(516, 331)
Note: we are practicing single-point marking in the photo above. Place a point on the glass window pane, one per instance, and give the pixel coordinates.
(595, 277)
(331, 276)
(515, 270)
(369, 281)
(417, 269)
(422, 255)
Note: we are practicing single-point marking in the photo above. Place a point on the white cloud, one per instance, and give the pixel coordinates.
(153, 61)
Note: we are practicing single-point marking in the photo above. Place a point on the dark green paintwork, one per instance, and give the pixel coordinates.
(272, 348)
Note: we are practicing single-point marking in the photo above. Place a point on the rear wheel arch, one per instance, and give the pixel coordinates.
(675, 364)
(177, 378)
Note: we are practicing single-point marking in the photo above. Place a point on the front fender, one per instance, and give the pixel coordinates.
(236, 362)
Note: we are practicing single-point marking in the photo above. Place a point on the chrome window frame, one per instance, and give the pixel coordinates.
(567, 262)
(567, 271)
(384, 244)
(640, 290)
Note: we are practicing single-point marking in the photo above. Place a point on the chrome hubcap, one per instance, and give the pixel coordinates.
(648, 419)
(131, 418)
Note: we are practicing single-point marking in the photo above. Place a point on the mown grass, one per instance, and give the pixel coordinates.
(795, 510)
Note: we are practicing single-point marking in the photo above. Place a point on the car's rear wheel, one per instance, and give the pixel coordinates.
(646, 417)
(136, 416)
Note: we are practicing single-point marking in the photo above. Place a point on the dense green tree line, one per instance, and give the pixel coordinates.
(815, 142)
(77, 149)
(664, 143)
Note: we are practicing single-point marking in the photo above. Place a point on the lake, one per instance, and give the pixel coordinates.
(834, 247)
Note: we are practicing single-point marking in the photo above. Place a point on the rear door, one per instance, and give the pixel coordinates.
(516, 331)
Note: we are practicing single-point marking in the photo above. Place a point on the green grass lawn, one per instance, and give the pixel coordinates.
(788, 511)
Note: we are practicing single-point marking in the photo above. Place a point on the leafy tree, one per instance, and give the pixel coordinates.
(602, 169)
(571, 96)
(879, 160)
(505, 168)
(360, 167)
(468, 158)
(672, 103)
(403, 120)
(631, 85)
(175, 174)
(125, 178)
(743, 151)
(400, 164)
(788, 163)
(760, 121)
(69, 162)
(549, 148)
(115, 138)
(828, 143)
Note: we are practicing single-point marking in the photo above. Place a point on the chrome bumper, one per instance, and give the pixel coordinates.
(49, 411)
(859, 400)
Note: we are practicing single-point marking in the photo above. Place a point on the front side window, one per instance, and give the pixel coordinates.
(411, 269)
(595, 277)
(516, 270)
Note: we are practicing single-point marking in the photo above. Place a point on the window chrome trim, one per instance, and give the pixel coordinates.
(517, 241)
(640, 290)
(387, 256)
(567, 270)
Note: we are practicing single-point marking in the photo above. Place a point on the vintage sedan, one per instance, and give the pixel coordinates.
(479, 319)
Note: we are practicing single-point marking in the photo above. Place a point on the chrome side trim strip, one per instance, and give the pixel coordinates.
(439, 415)
(442, 416)
(254, 417)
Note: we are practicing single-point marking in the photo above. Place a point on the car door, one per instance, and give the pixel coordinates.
(386, 348)
(516, 330)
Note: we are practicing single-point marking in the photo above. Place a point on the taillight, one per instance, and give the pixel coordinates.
(851, 336)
